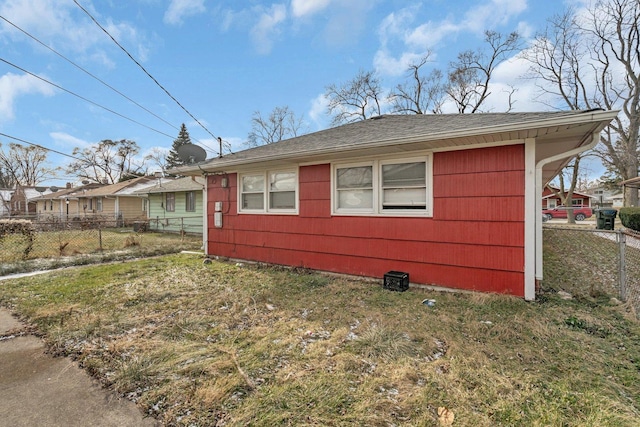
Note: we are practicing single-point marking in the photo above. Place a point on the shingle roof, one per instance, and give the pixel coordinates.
(122, 188)
(392, 130)
(169, 186)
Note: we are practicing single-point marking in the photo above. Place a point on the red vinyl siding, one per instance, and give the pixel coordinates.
(475, 239)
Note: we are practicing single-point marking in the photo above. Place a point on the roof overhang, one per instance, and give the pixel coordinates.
(553, 136)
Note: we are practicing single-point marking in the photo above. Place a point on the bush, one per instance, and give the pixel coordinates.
(630, 218)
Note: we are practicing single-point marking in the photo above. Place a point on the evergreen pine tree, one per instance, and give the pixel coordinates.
(173, 159)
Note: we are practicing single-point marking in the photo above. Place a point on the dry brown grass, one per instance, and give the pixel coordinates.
(223, 344)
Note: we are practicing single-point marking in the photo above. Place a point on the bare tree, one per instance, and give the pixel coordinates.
(421, 94)
(24, 166)
(158, 156)
(592, 60)
(470, 76)
(108, 161)
(358, 99)
(282, 123)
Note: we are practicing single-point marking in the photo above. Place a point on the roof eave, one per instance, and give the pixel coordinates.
(601, 117)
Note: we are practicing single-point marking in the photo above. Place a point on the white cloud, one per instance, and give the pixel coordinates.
(12, 86)
(267, 28)
(180, 9)
(300, 8)
(491, 14)
(402, 41)
(60, 24)
(63, 139)
(318, 111)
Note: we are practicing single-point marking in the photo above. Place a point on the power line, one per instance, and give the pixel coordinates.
(144, 69)
(83, 98)
(85, 71)
(40, 146)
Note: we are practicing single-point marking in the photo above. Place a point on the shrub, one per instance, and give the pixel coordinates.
(19, 226)
(630, 218)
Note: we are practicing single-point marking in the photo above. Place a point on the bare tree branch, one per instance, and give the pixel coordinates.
(357, 99)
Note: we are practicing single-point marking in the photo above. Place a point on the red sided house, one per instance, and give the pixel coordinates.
(452, 200)
(552, 200)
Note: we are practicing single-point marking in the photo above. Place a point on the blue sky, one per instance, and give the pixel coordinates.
(225, 60)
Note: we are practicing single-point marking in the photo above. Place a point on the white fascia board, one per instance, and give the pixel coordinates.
(577, 118)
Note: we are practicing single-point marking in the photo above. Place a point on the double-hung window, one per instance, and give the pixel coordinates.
(190, 201)
(269, 192)
(170, 202)
(378, 187)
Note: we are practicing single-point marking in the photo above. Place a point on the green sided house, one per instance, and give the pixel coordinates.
(175, 205)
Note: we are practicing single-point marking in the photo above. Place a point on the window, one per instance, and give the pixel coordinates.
(400, 187)
(354, 188)
(576, 202)
(144, 205)
(404, 186)
(170, 203)
(272, 191)
(190, 201)
(99, 204)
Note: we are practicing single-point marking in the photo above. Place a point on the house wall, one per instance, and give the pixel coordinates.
(475, 239)
(130, 209)
(578, 199)
(178, 220)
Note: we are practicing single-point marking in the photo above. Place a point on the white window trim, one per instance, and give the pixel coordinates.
(267, 210)
(377, 188)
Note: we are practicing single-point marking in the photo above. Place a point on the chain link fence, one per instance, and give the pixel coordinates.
(47, 244)
(591, 262)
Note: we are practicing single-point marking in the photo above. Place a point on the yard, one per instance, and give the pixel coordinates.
(222, 343)
(58, 248)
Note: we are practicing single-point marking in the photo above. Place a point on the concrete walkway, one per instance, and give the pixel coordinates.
(39, 390)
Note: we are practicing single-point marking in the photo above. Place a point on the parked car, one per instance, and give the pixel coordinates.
(580, 213)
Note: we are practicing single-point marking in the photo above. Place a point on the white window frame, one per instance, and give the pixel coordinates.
(377, 208)
(99, 204)
(266, 192)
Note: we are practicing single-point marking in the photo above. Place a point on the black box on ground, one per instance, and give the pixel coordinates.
(396, 281)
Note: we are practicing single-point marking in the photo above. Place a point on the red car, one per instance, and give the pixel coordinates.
(580, 213)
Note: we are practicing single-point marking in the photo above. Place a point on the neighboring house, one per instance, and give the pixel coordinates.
(62, 204)
(551, 198)
(604, 197)
(5, 202)
(176, 205)
(119, 201)
(452, 200)
(22, 201)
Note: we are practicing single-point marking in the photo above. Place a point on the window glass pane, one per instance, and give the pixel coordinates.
(252, 183)
(358, 177)
(253, 201)
(355, 199)
(282, 200)
(404, 175)
(282, 181)
(190, 201)
(404, 198)
(171, 202)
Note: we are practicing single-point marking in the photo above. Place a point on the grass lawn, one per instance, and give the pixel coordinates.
(224, 344)
(52, 249)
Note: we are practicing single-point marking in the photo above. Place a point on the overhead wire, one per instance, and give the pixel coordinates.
(144, 70)
(86, 71)
(39, 146)
(84, 98)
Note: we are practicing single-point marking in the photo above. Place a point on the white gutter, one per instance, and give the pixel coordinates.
(595, 138)
(580, 117)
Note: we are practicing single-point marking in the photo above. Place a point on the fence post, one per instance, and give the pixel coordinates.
(622, 272)
(99, 237)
